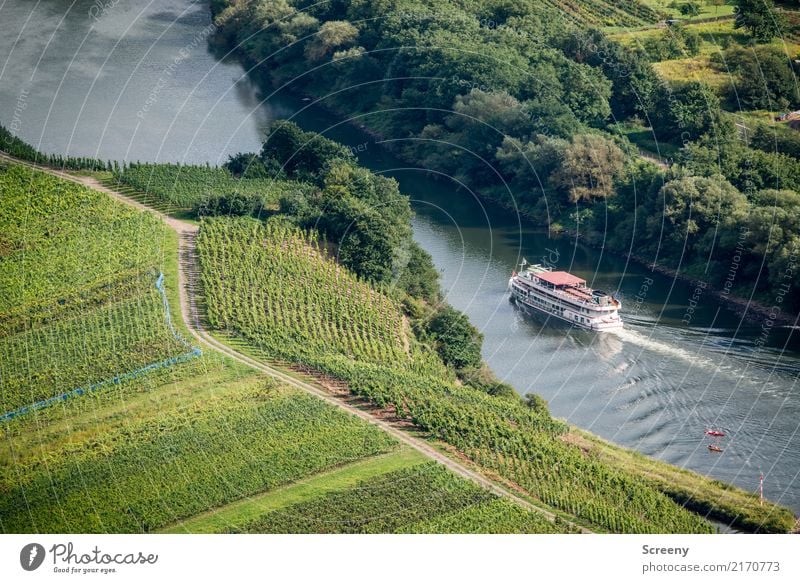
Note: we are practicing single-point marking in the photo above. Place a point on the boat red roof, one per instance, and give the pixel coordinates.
(560, 278)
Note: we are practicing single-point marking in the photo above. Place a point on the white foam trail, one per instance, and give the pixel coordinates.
(634, 337)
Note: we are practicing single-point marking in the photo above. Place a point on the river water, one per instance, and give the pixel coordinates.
(135, 81)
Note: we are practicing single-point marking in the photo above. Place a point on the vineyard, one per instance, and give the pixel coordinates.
(180, 186)
(594, 13)
(423, 498)
(10, 144)
(86, 303)
(494, 516)
(273, 285)
(80, 303)
(173, 462)
(524, 446)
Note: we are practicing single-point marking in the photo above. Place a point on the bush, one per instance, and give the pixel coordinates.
(457, 341)
(235, 204)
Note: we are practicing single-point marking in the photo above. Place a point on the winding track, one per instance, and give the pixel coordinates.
(188, 290)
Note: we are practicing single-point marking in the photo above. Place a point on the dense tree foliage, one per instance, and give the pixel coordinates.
(301, 155)
(764, 78)
(589, 168)
(236, 204)
(512, 99)
(775, 139)
(686, 113)
(759, 18)
(457, 341)
(674, 42)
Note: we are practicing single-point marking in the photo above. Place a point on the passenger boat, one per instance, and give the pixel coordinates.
(561, 295)
(715, 433)
(715, 448)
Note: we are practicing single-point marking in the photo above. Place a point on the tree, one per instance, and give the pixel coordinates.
(759, 18)
(690, 9)
(774, 236)
(331, 36)
(420, 278)
(635, 83)
(301, 154)
(695, 211)
(764, 78)
(536, 402)
(686, 112)
(586, 92)
(770, 138)
(457, 341)
(364, 247)
(251, 166)
(527, 165)
(589, 168)
(234, 204)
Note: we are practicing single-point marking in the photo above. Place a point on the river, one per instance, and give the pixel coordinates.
(135, 81)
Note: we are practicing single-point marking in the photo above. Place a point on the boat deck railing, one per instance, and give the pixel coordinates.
(572, 297)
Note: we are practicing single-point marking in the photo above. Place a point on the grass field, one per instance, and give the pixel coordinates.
(707, 9)
(715, 36)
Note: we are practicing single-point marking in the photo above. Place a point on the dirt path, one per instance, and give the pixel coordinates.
(189, 292)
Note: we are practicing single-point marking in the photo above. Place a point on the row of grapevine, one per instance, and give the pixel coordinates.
(99, 344)
(523, 446)
(147, 473)
(259, 280)
(496, 516)
(624, 13)
(186, 185)
(12, 145)
(61, 239)
(407, 500)
(79, 303)
(272, 284)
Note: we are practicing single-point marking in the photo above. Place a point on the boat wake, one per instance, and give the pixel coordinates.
(634, 337)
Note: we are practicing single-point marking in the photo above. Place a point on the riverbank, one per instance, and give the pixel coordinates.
(749, 309)
(704, 496)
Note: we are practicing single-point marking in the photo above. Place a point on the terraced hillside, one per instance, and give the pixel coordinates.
(274, 286)
(200, 444)
(173, 187)
(83, 301)
(246, 265)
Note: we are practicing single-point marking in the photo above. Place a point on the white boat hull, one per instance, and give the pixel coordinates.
(602, 322)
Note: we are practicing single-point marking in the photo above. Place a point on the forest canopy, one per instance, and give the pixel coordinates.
(528, 106)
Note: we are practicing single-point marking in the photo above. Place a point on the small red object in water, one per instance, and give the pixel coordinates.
(714, 433)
